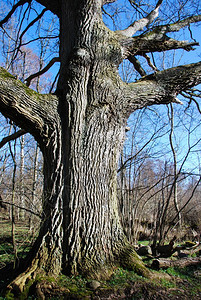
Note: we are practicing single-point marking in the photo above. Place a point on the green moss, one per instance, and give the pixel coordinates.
(131, 261)
(5, 74)
(29, 91)
(121, 277)
(121, 282)
(77, 285)
(9, 296)
(25, 293)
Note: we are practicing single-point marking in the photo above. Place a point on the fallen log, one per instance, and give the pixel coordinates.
(179, 263)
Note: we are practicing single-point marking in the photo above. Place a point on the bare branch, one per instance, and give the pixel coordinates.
(26, 29)
(140, 24)
(182, 208)
(191, 95)
(149, 62)
(12, 137)
(54, 82)
(125, 164)
(18, 33)
(39, 38)
(137, 65)
(137, 7)
(157, 40)
(177, 25)
(11, 12)
(146, 44)
(159, 32)
(23, 208)
(45, 69)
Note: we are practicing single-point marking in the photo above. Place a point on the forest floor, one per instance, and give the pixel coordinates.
(171, 283)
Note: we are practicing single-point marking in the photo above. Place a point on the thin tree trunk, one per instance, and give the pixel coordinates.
(34, 181)
(21, 214)
(171, 119)
(13, 155)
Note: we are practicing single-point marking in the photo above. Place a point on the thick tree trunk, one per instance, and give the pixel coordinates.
(92, 135)
(80, 230)
(92, 232)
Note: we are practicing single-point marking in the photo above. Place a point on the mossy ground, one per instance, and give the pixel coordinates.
(24, 239)
(123, 284)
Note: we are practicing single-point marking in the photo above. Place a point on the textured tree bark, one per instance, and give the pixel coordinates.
(80, 131)
(92, 139)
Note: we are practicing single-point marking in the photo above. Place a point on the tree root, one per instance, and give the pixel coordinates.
(130, 260)
(42, 264)
(127, 258)
(93, 270)
(46, 290)
(17, 286)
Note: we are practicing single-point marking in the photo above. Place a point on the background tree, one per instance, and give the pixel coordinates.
(81, 128)
(148, 168)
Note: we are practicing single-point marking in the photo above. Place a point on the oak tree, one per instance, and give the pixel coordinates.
(81, 128)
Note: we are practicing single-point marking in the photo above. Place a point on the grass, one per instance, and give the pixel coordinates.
(188, 279)
(143, 243)
(77, 286)
(121, 277)
(23, 241)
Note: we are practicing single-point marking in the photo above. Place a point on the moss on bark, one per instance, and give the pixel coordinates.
(130, 260)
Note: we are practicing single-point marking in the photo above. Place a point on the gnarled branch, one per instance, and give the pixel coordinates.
(107, 1)
(161, 87)
(137, 65)
(27, 108)
(161, 30)
(156, 40)
(143, 44)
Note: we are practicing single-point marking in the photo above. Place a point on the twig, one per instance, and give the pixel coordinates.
(23, 208)
(45, 69)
